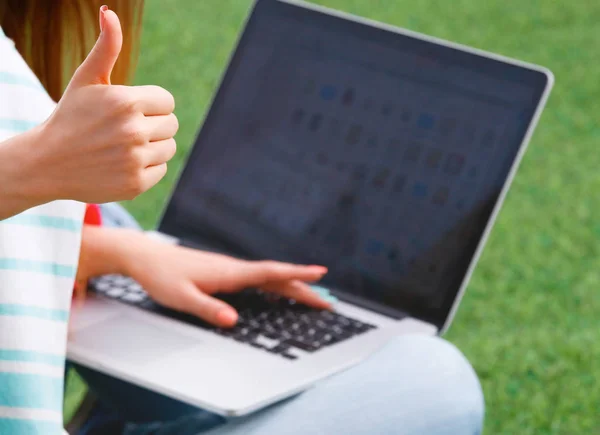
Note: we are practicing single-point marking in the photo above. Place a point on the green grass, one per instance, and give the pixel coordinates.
(529, 321)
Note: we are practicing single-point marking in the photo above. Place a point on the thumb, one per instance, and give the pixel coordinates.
(98, 66)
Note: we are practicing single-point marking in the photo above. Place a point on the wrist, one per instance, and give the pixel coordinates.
(108, 250)
(23, 184)
(43, 157)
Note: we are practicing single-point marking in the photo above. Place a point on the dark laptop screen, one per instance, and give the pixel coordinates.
(376, 154)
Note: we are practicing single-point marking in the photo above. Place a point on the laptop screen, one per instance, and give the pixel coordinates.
(377, 154)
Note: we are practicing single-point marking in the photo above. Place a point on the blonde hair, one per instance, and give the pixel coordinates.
(55, 36)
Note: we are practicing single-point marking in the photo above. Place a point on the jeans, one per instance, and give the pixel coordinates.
(415, 385)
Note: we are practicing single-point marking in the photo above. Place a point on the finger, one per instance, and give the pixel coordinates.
(153, 100)
(258, 273)
(210, 309)
(157, 153)
(152, 175)
(98, 66)
(300, 292)
(161, 127)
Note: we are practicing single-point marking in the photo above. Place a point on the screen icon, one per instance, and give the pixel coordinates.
(340, 166)
(297, 116)
(360, 172)
(381, 178)
(468, 133)
(354, 133)
(348, 97)
(334, 126)
(399, 183)
(328, 92)
(426, 121)
(374, 247)
(322, 158)
(309, 86)
(454, 164)
(420, 190)
(440, 197)
(387, 109)
(413, 152)
(433, 159)
(315, 122)
(447, 126)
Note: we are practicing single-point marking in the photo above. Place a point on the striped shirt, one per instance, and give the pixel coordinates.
(39, 250)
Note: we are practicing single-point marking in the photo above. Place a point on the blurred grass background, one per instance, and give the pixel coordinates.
(530, 319)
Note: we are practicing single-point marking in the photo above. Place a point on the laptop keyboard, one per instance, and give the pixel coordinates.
(266, 321)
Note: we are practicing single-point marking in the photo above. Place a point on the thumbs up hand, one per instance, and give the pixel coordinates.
(105, 142)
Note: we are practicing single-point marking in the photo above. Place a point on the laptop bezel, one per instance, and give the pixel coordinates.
(441, 324)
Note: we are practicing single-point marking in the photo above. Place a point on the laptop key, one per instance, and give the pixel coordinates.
(135, 287)
(224, 332)
(316, 345)
(267, 342)
(300, 345)
(103, 286)
(280, 348)
(327, 315)
(133, 297)
(344, 321)
(254, 324)
(327, 339)
(239, 337)
(321, 324)
(115, 292)
(284, 335)
(298, 353)
(122, 281)
(337, 330)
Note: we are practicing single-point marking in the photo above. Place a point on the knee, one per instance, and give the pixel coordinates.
(444, 379)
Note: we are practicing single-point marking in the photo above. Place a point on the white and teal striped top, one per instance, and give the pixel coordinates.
(39, 250)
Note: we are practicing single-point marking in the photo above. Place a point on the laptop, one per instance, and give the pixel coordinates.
(378, 152)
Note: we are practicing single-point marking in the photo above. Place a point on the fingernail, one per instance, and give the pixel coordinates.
(103, 9)
(321, 269)
(322, 291)
(329, 298)
(227, 317)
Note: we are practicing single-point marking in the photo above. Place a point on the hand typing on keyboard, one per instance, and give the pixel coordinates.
(185, 280)
(266, 321)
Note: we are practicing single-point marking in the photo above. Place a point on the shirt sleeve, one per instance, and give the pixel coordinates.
(39, 252)
(92, 215)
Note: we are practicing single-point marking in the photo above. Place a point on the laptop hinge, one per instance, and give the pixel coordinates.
(366, 304)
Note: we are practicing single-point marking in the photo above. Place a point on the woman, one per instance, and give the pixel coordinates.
(415, 385)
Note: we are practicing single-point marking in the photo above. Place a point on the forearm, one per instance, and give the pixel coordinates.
(21, 179)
